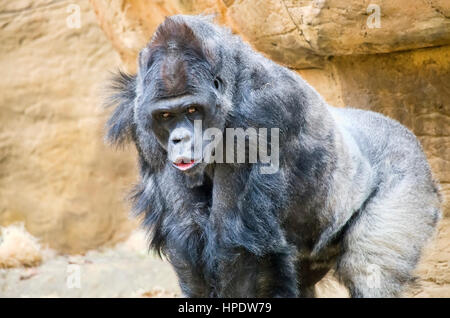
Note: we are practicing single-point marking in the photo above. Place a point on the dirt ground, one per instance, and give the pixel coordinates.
(128, 270)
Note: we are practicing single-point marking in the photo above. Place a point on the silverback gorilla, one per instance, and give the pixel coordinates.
(353, 191)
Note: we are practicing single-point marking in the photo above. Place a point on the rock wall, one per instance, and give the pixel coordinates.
(56, 174)
(389, 56)
(412, 87)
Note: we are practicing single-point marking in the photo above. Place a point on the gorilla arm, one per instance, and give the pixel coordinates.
(245, 215)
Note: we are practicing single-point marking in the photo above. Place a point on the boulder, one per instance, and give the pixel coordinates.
(299, 34)
(56, 174)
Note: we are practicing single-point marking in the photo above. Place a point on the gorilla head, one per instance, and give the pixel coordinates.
(182, 78)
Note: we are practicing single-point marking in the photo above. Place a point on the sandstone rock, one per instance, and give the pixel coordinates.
(18, 248)
(130, 24)
(56, 174)
(299, 34)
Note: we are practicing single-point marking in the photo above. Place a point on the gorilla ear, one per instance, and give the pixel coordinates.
(123, 93)
(143, 61)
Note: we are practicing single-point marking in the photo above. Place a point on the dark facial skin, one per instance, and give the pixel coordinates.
(174, 122)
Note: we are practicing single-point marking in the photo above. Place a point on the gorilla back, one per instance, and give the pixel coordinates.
(352, 190)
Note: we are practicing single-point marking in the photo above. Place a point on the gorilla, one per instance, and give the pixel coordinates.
(351, 190)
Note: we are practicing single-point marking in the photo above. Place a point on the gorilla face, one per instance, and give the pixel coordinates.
(173, 122)
(181, 94)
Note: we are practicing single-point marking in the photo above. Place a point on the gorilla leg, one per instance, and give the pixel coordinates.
(251, 276)
(283, 276)
(382, 245)
(310, 273)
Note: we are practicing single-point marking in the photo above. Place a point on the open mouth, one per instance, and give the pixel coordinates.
(184, 165)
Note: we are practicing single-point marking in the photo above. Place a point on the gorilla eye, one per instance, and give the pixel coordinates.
(165, 115)
(191, 110)
(217, 82)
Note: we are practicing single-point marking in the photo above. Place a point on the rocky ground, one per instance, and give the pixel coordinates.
(128, 270)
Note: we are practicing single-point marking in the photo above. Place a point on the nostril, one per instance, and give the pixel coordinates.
(177, 139)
